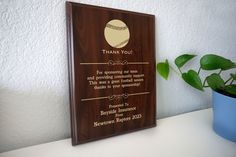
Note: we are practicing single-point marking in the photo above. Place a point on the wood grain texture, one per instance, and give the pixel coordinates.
(85, 34)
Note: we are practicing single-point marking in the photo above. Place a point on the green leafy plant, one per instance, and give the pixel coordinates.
(208, 62)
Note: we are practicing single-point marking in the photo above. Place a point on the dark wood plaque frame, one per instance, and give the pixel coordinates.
(98, 112)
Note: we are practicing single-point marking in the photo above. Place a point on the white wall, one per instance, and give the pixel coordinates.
(33, 60)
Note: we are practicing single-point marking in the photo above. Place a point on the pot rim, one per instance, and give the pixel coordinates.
(224, 94)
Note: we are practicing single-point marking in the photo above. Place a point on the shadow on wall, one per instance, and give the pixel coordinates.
(33, 117)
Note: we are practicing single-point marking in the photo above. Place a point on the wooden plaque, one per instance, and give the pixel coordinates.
(111, 71)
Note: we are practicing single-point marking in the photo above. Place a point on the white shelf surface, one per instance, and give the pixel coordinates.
(186, 135)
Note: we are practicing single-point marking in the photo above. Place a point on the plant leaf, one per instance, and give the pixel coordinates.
(213, 62)
(215, 81)
(231, 89)
(193, 79)
(163, 69)
(181, 60)
(233, 76)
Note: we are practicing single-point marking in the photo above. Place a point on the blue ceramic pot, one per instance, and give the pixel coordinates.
(224, 110)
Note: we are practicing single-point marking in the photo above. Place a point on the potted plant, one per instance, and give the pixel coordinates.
(224, 91)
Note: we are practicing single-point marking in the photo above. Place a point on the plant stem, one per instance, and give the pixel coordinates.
(174, 70)
(228, 80)
(231, 82)
(180, 71)
(204, 82)
(220, 71)
(199, 70)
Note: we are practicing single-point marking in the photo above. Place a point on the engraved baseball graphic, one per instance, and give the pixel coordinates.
(116, 33)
